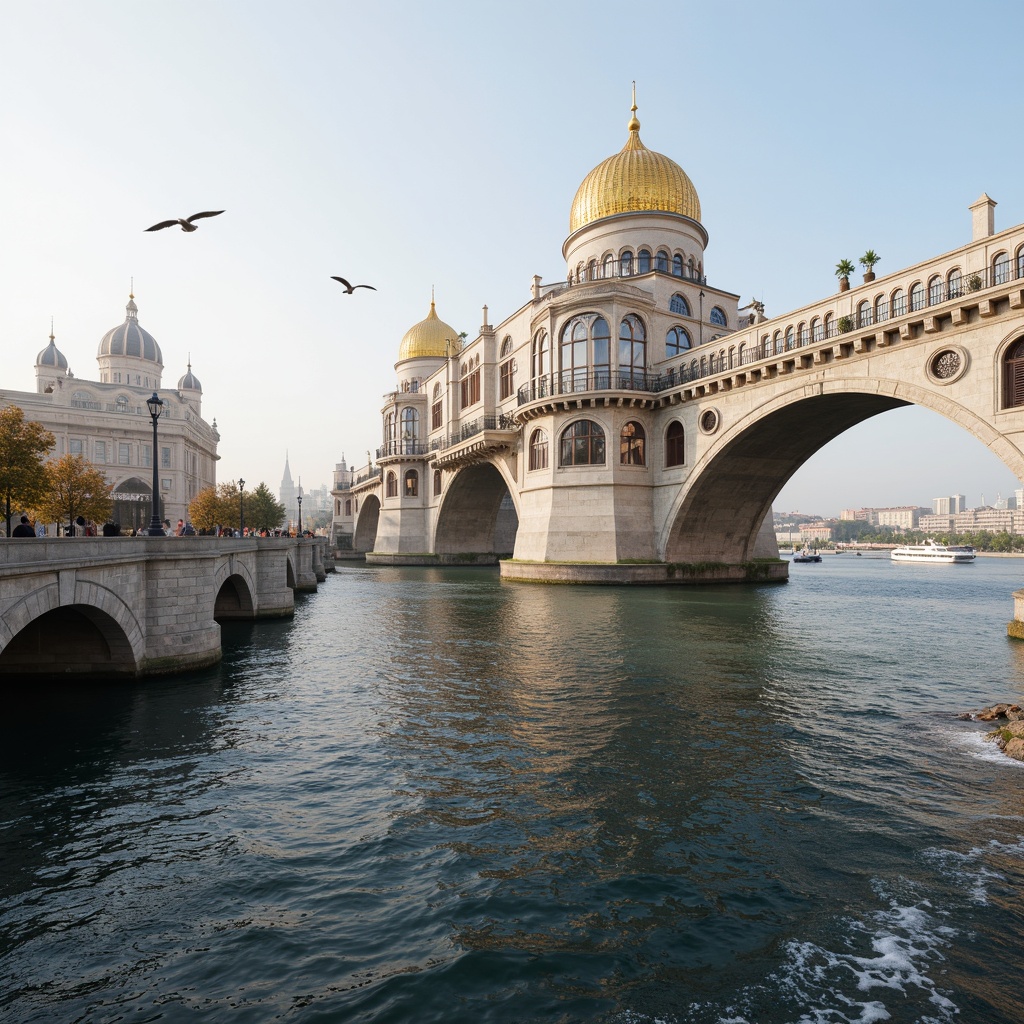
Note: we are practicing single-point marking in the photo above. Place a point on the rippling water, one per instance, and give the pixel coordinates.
(433, 796)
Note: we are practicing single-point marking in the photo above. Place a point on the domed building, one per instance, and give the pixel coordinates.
(108, 423)
(552, 437)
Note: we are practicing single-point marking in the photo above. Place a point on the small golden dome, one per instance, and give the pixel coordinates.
(429, 338)
(634, 180)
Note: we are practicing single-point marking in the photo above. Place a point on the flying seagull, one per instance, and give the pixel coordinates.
(350, 288)
(186, 223)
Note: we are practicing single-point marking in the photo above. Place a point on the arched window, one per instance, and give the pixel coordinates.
(121, 403)
(694, 369)
(410, 429)
(690, 267)
(916, 296)
(437, 482)
(643, 261)
(390, 432)
(804, 334)
(609, 265)
(1001, 268)
(677, 265)
(899, 303)
(742, 354)
(830, 323)
(538, 450)
(436, 409)
(864, 314)
(777, 343)
(585, 348)
(676, 341)
(582, 444)
(732, 356)
(661, 261)
(678, 305)
(790, 339)
(592, 270)
(955, 284)
(718, 317)
(675, 450)
(540, 364)
(631, 445)
(632, 351)
(626, 261)
(703, 366)
(348, 506)
(817, 331)
(881, 309)
(412, 483)
(1020, 262)
(935, 290)
(391, 485)
(506, 370)
(1013, 375)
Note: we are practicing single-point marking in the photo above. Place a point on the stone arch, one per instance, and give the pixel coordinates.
(478, 514)
(719, 510)
(234, 599)
(365, 535)
(95, 633)
(290, 577)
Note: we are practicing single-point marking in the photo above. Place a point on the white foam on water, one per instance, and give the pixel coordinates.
(969, 870)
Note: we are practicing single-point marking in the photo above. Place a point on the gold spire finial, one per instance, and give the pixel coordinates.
(131, 289)
(634, 124)
(51, 328)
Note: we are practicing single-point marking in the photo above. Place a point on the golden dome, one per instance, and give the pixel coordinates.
(429, 338)
(634, 180)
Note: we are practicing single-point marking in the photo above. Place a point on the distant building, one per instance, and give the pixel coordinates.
(815, 531)
(851, 515)
(107, 422)
(906, 517)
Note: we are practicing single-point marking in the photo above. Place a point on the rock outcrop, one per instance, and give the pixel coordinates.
(1009, 734)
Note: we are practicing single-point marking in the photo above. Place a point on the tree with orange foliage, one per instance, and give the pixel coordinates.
(23, 447)
(74, 488)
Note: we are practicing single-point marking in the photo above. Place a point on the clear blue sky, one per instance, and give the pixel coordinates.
(439, 145)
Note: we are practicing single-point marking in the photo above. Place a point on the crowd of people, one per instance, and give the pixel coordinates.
(82, 527)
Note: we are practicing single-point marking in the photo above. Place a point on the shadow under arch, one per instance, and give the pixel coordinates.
(365, 536)
(75, 641)
(718, 512)
(478, 514)
(234, 600)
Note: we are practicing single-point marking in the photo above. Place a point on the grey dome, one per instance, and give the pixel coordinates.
(129, 339)
(190, 382)
(52, 356)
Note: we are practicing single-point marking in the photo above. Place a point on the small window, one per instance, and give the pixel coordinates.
(1013, 375)
(678, 305)
(631, 445)
(864, 314)
(165, 458)
(627, 264)
(348, 506)
(538, 450)
(101, 452)
(917, 296)
(124, 455)
(437, 482)
(676, 341)
(412, 483)
(954, 284)
(391, 485)
(881, 309)
(583, 444)
(677, 265)
(718, 317)
(75, 446)
(508, 370)
(1001, 268)
(661, 261)
(899, 302)
(675, 454)
(643, 261)
(935, 291)
(121, 403)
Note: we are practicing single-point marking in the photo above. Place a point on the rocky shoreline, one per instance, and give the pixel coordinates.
(1009, 733)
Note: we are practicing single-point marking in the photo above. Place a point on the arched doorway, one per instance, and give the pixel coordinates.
(133, 504)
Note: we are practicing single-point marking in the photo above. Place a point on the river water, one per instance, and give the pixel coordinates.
(434, 796)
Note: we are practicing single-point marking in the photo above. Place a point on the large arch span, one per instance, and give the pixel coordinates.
(478, 515)
(717, 514)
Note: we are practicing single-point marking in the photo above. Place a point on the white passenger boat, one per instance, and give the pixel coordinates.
(933, 553)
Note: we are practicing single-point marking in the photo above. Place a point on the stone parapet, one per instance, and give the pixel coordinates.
(646, 574)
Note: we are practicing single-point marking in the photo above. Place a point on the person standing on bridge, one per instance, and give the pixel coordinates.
(23, 529)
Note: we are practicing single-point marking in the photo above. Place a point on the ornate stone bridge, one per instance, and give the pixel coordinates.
(726, 424)
(110, 607)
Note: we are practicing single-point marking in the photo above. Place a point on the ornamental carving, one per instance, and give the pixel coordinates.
(946, 364)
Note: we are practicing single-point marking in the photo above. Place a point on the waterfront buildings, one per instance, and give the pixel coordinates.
(107, 422)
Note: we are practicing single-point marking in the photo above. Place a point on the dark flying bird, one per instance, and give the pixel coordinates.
(186, 224)
(350, 288)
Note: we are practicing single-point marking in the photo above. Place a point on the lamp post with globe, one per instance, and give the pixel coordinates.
(298, 498)
(155, 406)
(241, 507)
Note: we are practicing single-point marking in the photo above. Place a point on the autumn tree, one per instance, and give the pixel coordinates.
(74, 488)
(203, 509)
(262, 509)
(23, 446)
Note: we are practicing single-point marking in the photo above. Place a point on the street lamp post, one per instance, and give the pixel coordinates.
(299, 499)
(241, 507)
(155, 406)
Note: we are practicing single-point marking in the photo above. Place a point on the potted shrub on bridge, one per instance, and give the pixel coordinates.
(868, 261)
(844, 268)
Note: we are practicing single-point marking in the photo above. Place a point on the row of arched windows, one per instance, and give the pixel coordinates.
(410, 484)
(628, 263)
(583, 443)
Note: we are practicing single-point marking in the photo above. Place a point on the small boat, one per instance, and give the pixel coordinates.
(807, 556)
(933, 553)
